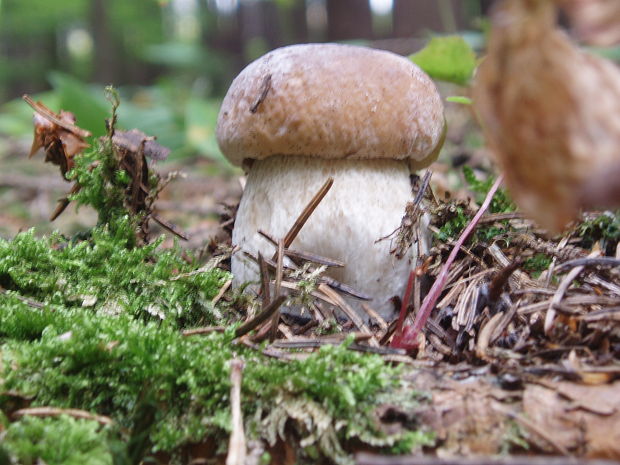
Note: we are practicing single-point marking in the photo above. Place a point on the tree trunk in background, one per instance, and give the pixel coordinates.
(260, 28)
(349, 19)
(411, 17)
(105, 59)
(298, 23)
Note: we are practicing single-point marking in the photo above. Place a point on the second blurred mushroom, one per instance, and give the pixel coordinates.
(550, 112)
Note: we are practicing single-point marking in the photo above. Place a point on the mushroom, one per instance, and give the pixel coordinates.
(364, 117)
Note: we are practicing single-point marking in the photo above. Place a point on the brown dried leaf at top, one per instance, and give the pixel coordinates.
(57, 134)
(550, 112)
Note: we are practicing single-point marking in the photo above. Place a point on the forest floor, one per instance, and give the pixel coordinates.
(521, 356)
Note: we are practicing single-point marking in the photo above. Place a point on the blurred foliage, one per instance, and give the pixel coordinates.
(176, 80)
(449, 59)
(182, 121)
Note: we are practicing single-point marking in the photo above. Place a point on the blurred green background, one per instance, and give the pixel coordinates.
(172, 60)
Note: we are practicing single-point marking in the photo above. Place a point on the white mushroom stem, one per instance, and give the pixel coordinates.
(366, 202)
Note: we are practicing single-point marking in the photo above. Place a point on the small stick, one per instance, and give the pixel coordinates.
(263, 316)
(598, 261)
(30, 303)
(55, 412)
(221, 292)
(375, 316)
(264, 280)
(52, 117)
(410, 333)
(236, 446)
(170, 227)
(203, 330)
(559, 294)
(298, 254)
(277, 289)
(305, 214)
(265, 86)
(64, 202)
(352, 314)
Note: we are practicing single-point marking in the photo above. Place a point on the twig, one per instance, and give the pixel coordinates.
(273, 332)
(559, 294)
(352, 314)
(299, 255)
(221, 292)
(264, 280)
(591, 261)
(305, 214)
(410, 333)
(265, 86)
(51, 116)
(204, 330)
(263, 316)
(236, 446)
(30, 303)
(55, 412)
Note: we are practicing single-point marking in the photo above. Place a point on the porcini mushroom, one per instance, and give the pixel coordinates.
(303, 113)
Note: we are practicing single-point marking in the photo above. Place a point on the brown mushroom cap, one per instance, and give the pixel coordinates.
(331, 101)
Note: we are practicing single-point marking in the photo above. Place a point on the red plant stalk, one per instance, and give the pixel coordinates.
(409, 338)
(398, 333)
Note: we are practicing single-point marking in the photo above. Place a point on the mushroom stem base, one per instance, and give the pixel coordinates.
(366, 202)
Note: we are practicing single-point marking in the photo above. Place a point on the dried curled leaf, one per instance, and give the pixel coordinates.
(597, 22)
(57, 134)
(551, 112)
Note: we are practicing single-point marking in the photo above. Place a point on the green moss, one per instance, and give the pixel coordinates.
(103, 273)
(537, 264)
(455, 217)
(95, 323)
(501, 202)
(109, 364)
(604, 228)
(57, 441)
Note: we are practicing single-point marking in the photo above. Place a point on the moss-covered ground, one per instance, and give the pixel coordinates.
(94, 322)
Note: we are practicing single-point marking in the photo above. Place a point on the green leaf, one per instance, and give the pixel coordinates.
(86, 103)
(448, 59)
(459, 99)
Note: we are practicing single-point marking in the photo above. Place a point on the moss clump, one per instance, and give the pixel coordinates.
(95, 323)
(110, 364)
(455, 216)
(537, 264)
(103, 273)
(604, 228)
(57, 441)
